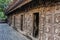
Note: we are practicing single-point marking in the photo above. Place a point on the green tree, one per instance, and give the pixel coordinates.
(3, 5)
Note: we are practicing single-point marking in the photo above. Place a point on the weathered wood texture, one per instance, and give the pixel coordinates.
(49, 22)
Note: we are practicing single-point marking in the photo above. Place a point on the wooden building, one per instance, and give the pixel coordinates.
(36, 19)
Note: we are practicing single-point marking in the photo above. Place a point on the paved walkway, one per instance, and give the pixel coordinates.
(8, 33)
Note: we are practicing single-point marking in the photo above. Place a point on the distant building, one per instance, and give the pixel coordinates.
(37, 19)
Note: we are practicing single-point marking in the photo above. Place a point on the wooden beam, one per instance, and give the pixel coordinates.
(23, 3)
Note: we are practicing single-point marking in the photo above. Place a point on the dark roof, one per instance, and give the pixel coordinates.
(19, 3)
(15, 5)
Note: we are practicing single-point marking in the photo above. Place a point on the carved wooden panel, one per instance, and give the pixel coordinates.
(28, 23)
(49, 18)
(52, 30)
(57, 18)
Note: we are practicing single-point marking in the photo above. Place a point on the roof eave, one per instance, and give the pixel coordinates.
(19, 5)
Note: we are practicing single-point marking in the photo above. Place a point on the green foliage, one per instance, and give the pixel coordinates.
(2, 16)
(3, 4)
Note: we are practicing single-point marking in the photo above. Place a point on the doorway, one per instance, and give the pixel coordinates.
(35, 24)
